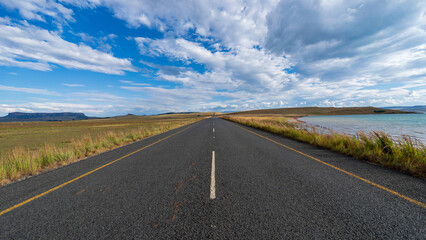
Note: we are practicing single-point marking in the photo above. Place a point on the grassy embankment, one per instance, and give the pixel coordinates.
(27, 148)
(405, 154)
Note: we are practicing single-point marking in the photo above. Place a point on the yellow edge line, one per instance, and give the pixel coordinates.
(83, 175)
(341, 170)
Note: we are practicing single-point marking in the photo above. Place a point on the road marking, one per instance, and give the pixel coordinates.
(341, 170)
(212, 180)
(213, 129)
(83, 175)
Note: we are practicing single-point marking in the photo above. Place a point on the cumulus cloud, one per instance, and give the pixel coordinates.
(338, 40)
(28, 46)
(38, 9)
(245, 68)
(235, 23)
(295, 27)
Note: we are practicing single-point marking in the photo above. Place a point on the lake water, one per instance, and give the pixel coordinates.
(413, 125)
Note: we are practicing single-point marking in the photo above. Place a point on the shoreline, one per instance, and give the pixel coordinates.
(375, 147)
(397, 127)
(296, 119)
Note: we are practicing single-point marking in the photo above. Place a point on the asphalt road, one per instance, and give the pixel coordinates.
(262, 190)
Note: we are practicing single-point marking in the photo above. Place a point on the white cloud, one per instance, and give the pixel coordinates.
(234, 23)
(295, 25)
(32, 47)
(69, 107)
(38, 9)
(103, 43)
(72, 85)
(9, 61)
(97, 96)
(245, 68)
(338, 40)
(28, 90)
(61, 106)
(133, 83)
(5, 109)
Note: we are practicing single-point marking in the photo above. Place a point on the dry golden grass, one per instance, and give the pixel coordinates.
(28, 148)
(405, 154)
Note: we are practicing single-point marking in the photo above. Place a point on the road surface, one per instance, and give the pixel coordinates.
(216, 180)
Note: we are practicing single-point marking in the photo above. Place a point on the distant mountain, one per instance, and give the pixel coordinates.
(318, 111)
(167, 113)
(129, 115)
(30, 117)
(420, 108)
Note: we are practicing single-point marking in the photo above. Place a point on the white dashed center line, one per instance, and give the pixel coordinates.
(212, 180)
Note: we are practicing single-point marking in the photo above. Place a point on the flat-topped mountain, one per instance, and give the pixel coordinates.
(30, 117)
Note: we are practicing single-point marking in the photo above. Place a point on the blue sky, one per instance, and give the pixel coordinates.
(112, 57)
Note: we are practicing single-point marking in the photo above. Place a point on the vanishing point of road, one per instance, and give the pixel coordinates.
(216, 180)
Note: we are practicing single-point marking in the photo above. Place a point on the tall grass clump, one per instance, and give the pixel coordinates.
(406, 154)
(23, 161)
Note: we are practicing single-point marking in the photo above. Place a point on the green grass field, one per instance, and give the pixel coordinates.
(405, 154)
(27, 148)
